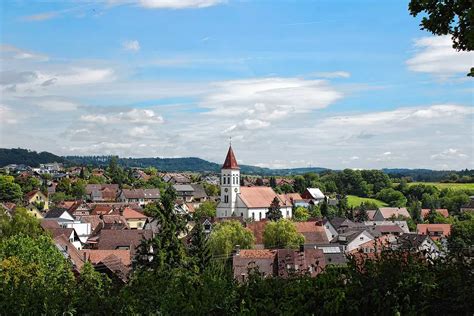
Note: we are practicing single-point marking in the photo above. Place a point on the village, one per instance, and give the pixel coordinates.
(104, 224)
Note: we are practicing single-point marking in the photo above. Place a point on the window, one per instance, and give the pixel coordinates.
(226, 199)
(260, 216)
(361, 238)
(253, 216)
(287, 213)
(223, 180)
(241, 214)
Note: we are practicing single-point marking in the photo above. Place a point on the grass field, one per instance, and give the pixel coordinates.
(455, 186)
(354, 201)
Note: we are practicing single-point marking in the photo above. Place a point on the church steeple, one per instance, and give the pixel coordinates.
(230, 161)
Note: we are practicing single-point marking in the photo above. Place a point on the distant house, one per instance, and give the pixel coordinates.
(333, 253)
(80, 208)
(69, 251)
(341, 224)
(402, 225)
(387, 213)
(135, 219)
(313, 232)
(61, 215)
(468, 207)
(37, 197)
(441, 211)
(102, 192)
(313, 194)
(199, 194)
(418, 243)
(184, 192)
(435, 231)
(110, 239)
(141, 197)
(176, 178)
(56, 230)
(280, 262)
(353, 239)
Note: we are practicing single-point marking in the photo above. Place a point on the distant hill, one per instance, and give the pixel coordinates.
(26, 157)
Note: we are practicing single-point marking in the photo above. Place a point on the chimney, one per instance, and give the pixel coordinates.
(237, 250)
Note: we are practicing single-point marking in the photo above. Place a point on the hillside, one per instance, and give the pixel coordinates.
(26, 157)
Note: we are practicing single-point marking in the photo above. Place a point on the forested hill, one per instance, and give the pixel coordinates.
(191, 164)
(26, 157)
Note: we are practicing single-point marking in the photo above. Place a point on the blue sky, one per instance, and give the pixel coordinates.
(294, 83)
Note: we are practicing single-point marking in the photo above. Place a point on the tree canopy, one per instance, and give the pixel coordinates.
(282, 234)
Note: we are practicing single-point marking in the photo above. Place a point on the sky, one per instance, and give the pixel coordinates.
(292, 83)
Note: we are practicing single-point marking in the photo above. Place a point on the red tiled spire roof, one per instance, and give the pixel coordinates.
(230, 161)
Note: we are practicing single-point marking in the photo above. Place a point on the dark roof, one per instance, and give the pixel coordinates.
(115, 239)
(113, 265)
(199, 191)
(408, 241)
(230, 161)
(56, 212)
(338, 222)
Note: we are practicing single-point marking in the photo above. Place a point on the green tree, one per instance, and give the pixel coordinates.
(199, 249)
(226, 235)
(462, 234)
(78, 189)
(452, 17)
(28, 184)
(36, 278)
(273, 183)
(392, 197)
(9, 190)
(282, 234)
(301, 214)
(20, 223)
(274, 212)
(92, 293)
(206, 209)
(415, 211)
(361, 215)
(211, 189)
(165, 249)
(64, 185)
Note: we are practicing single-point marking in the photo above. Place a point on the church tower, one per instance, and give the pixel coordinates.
(230, 185)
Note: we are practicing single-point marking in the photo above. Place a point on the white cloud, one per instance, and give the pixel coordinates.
(57, 105)
(12, 52)
(276, 97)
(178, 4)
(334, 74)
(6, 115)
(132, 45)
(40, 16)
(402, 116)
(139, 116)
(436, 56)
(139, 131)
(448, 154)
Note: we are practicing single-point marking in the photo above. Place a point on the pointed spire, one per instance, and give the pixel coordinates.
(230, 161)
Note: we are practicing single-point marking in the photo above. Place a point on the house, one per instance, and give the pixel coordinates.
(387, 213)
(329, 229)
(56, 230)
(418, 243)
(402, 225)
(38, 199)
(341, 224)
(80, 208)
(376, 245)
(435, 231)
(246, 260)
(247, 202)
(69, 251)
(199, 194)
(95, 256)
(34, 211)
(313, 194)
(141, 197)
(293, 199)
(114, 268)
(278, 262)
(102, 192)
(184, 192)
(468, 207)
(352, 239)
(99, 222)
(61, 215)
(333, 253)
(441, 211)
(135, 219)
(307, 260)
(176, 178)
(313, 232)
(110, 239)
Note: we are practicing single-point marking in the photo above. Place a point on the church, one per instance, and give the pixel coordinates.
(247, 202)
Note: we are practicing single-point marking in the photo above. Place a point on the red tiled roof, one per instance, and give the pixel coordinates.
(259, 197)
(130, 213)
(230, 161)
(257, 229)
(388, 212)
(424, 229)
(95, 255)
(442, 211)
(312, 232)
(257, 253)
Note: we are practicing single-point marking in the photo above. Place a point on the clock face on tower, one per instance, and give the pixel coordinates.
(235, 190)
(226, 189)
